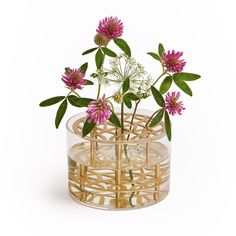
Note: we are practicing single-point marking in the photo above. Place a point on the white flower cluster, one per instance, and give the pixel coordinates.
(123, 67)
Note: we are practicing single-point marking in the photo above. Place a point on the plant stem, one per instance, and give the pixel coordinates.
(112, 107)
(99, 89)
(132, 118)
(69, 93)
(126, 153)
(122, 117)
(130, 176)
(73, 91)
(164, 72)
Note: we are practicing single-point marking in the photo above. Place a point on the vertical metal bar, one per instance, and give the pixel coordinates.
(148, 152)
(118, 175)
(157, 185)
(93, 148)
(83, 170)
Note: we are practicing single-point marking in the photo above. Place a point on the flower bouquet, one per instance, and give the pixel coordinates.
(119, 154)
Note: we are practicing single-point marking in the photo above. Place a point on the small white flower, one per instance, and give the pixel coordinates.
(123, 67)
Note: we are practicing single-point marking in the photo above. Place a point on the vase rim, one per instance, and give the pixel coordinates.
(140, 112)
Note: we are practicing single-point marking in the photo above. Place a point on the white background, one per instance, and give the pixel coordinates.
(39, 38)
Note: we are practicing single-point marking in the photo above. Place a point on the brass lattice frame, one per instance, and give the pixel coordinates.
(102, 178)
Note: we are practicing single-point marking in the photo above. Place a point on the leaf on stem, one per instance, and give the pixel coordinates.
(132, 96)
(79, 102)
(183, 86)
(127, 102)
(161, 49)
(89, 51)
(165, 85)
(186, 76)
(157, 118)
(84, 67)
(168, 125)
(87, 128)
(51, 101)
(114, 119)
(123, 46)
(154, 55)
(109, 52)
(99, 58)
(60, 113)
(157, 96)
(126, 85)
(88, 82)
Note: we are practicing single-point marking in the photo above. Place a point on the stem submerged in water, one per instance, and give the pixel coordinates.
(125, 151)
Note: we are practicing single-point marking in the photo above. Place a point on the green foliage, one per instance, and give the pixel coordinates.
(87, 128)
(84, 67)
(88, 82)
(157, 96)
(161, 49)
(186, 76)
(78, 101)
(109, 52)
(155, 56)
(126, 85)
(115, 120)
(168, 125)
(157, 118)
(121, 43)
(99, 58)
(51, 101)
(127, 102)
(132, 96)
(60, 113)
(89, 51)
(182, 85)
(166, 84)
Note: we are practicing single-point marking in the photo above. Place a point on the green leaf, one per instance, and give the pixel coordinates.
(84, 67)
(157, 96)
(161, 49)
(168, 125)
(183, 86)
(154, 55)
(99, 58)
(127, 102)
(79, 102)
(87, 128)
(89, 51)
(187, 76)
(123, 46)
(109, 52)
(165, 85)
(114, 119)
(51, 101)
(132, 96)
(88, 82)
(60, 113)
(126, 85)
(157, 118)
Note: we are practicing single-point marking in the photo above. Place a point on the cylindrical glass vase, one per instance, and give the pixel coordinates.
(118, 171)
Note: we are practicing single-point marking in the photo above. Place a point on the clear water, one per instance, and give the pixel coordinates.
(138, 178)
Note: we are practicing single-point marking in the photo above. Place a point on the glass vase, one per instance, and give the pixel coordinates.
(114, 170)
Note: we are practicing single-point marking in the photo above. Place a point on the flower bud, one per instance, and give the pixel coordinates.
(101, 40)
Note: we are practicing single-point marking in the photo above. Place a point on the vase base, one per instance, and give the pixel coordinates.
(112, 208)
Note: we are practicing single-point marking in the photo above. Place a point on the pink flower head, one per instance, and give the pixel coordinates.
(172, 62)
(172, 105)
(73, 78)
(110, 27)
(99, 111)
